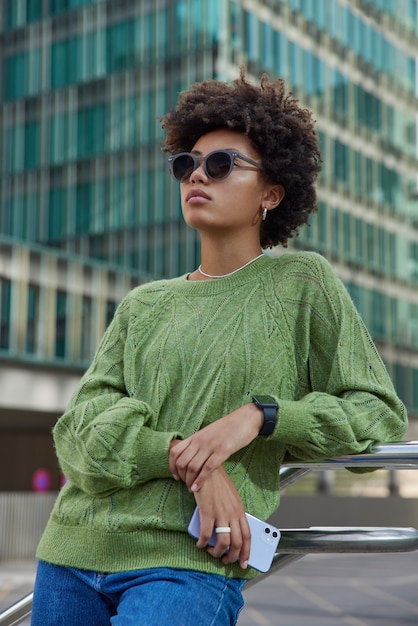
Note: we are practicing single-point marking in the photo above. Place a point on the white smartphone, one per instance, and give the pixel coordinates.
(264, 540)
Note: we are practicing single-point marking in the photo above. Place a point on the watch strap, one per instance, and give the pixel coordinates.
(269, 407)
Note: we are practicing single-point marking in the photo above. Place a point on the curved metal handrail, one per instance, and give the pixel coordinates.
(17, 612)
(297, 542)
(335, 540)
(399, 455)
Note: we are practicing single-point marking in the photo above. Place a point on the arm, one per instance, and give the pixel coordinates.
(349, 403)
(220, 505)
(106, 440)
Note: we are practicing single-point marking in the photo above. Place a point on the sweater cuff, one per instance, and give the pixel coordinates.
(153, 454)
(291, 426)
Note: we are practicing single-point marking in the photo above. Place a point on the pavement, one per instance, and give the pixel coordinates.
(318, 590)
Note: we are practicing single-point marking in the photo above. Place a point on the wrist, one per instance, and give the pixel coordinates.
(257, 416)
(269, 407)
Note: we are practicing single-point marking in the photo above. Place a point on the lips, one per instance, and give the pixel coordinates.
(197, 193)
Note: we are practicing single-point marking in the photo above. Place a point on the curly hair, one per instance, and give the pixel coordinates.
(279, 130)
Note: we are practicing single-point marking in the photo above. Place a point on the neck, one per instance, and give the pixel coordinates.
(224, 261)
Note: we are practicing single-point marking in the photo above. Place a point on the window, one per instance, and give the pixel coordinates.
(83, 208)
(86, 328)
(57, 214)
(341, 170)
(15, 73)
(5, 312)
(60, 324)
(120, 45)
(91, 131)
(32, 322)
(66, 63)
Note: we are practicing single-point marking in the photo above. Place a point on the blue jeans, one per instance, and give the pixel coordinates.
(66, 596)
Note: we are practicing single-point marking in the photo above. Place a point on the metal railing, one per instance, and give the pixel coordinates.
(298, 542)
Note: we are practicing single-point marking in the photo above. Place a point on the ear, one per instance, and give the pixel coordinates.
(273, 195)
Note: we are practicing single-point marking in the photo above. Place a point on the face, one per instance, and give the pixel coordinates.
(235, 202)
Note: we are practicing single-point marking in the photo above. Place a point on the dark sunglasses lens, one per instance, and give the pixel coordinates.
(183, 166)
(219, 165)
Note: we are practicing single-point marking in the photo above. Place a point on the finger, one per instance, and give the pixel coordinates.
(206, 531)
(181, 460)
(174, 452)
(223, 540)
(199, 469)
(246, 542)
(235, 544)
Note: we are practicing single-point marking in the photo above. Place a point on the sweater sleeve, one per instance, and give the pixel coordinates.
(107, 440)
(352, 403)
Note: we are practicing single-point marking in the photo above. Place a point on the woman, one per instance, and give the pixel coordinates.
(173, 410)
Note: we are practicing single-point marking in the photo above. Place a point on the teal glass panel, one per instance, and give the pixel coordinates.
(31, 159)
(33, 10)
(120, 46)
(60, 324)
(91, 131)
(83, 208)
(21, 12)
(15, 148)
(295, 65)
(31, 217)
(66, 63)
(15, 13)
(358, 296)
(32, 320)
(94, 57)
(86, 328)
(57, 138)
(339, 95)
(56, 221)
(313, 74)
(370, 235)
(347, 235)
(267, 46)
(336, 231)
(415, 390)
(110, 311)
(5, 312)
(341, 171)
(251, 36)
(280, 54)
(378, 314)
(359, 240)
(322, 224)
(59, 6)
(15, 76)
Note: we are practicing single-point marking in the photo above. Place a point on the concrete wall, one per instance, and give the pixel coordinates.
(23, 516)
(328, 510)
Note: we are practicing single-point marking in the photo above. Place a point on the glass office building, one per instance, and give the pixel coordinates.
(83, 84)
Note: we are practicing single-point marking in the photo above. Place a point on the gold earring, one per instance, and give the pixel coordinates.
(265, 211)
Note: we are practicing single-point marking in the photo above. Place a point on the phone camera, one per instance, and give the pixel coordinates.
(267, 531)
(274, 534)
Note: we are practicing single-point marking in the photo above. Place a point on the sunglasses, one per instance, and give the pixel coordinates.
(217, 165)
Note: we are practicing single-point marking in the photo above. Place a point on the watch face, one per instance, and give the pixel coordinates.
(266, 400)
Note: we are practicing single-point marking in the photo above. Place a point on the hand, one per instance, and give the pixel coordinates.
(220, 505)
(193, 459)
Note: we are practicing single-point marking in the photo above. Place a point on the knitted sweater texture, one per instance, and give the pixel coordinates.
(180, 354)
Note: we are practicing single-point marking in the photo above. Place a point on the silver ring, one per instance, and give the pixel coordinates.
(222, 529)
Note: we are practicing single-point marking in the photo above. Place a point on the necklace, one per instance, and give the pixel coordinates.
(199, 269)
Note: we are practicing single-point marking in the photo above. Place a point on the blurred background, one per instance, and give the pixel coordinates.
(87, 208)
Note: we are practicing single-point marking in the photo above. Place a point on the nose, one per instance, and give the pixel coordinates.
(198, 175)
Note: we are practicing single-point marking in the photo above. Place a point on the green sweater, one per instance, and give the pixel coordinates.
(180, 354)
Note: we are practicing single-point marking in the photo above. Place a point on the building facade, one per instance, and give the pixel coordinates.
(87, 208)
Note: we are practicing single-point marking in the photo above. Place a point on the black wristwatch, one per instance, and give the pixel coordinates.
(270, 409)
